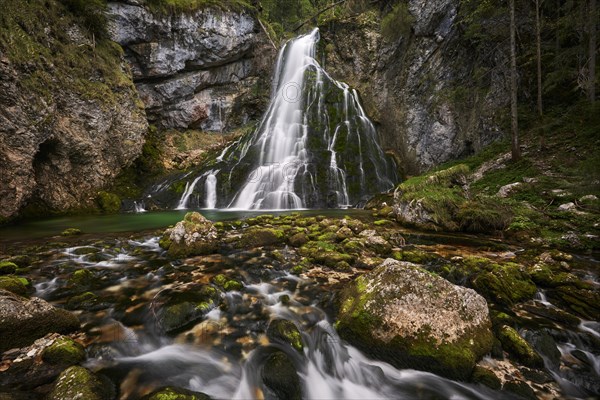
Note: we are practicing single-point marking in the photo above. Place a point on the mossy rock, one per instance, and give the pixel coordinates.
(64, 351)
(109, 203)
(403, 314)
(584, 302)
(173, 393)
(71, 232)
(258, 237)
(184, 308)
(505, 284)
(219, 280)
(233, 285)
(8, 268)
(296, 270)
(79, 383)
(486, 377)
(81, 251)
(280, 377)
(81, 277)
(518, 347)
(84, 301)
(284, 331)
(15, 284)
(521, 389)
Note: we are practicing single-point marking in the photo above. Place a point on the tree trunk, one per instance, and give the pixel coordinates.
(592, 51)
(516, 150)
(538, 43)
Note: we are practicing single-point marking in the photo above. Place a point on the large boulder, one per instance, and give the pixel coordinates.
(412, 318)
(79, 383)
(193, 236)
(24, 320)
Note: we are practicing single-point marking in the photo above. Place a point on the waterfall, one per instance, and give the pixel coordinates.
(189, 188)
(309, 112)
(139, 207)
(211, 191)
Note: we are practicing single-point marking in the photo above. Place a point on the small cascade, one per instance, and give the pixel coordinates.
(211, 191)
(139, 207)
(189, 188)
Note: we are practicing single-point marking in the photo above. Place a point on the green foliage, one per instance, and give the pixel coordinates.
(170, 6)
(90, 14)
(397, 23)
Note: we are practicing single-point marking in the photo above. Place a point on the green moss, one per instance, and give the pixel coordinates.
(233, 285)
(15, 284)
(256, 237)
(7, 267)
(79, 383)
(189, 6)
(281, 330)
(84, 301)
(172, 393)
(486, 377)
(71, 232)
(219, 280)
(296, 269)
(109, 203)
(519, 348)
(81, 277)
(64, 351)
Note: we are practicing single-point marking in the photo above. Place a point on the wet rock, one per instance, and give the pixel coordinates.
(24, 320)
(193, 236)
(7, 268)
(81, 277)
(71, 232)
(64, 351)
(284, 331)
(298, 240)
(15, 284)
(486, 377)
(79, 383)
(184, 306)
(582, 301)
(85, 301)
(257, 237)
(344, 233)
(519, 348)
(504, 284)
(520, 388)
(376, 243)
(279, 376)
(411, 318)
(174, 393)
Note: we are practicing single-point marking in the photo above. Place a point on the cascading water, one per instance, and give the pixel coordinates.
(315, 147)
(308, 150)
(211, 191)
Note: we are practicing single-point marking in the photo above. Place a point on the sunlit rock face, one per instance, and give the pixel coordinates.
(419, 88)
(193, 70)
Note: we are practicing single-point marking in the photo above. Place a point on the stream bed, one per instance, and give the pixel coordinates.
(141, 339)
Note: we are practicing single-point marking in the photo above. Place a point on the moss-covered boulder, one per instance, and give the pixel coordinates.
(109, 203)
(504, 284)
(24, 320)
(79, 383)
(7, 267)
(71, 232)
(376, 243)
(280, 377)
(485, 376)
(411, 318)
(298, 239)
(257, 237)
(84, 301)
(193, 236)
(284, 331)
(15, 284)
(64, 351)
(184, 306)
(173, 393)
(519, 348)
(81, 277)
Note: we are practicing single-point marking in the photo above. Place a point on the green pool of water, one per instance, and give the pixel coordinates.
(135, 222)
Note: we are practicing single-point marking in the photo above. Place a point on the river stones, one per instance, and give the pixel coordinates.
(24, 320)
(79, 383)
(284, 331)
(174, 393)
(280, 377)
(411, 318)
(519, 348)
(193, 236)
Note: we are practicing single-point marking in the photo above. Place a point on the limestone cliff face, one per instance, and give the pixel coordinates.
(419, 88)
(196, 70)
(70, 118)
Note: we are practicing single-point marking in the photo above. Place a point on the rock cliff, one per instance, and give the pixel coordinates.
(198, 69)
(70, 117)
(422, 87)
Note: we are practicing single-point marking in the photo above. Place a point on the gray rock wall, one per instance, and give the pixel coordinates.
(197, 70)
